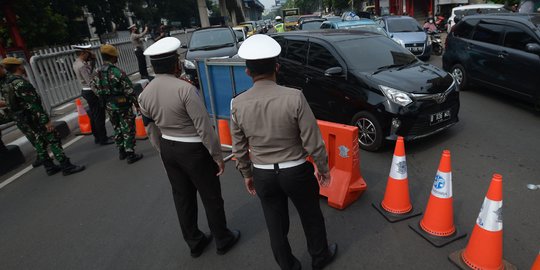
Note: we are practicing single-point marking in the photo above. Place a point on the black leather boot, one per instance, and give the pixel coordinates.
(122, 154)
(132, 157)
(68, 168)
(50, 167)
(38, 162)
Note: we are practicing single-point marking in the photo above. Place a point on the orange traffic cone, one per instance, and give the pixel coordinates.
(536, 264)
(224, 132)
(396, 205)
(485, 247)
(437, 225)
(140, 131)
(84, 121)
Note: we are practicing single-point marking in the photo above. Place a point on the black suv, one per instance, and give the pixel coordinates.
(500, 51)
(368, 80)
(211, 42)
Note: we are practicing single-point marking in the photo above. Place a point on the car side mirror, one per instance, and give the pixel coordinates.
(183, 46)
(334, 72)
(533, 48)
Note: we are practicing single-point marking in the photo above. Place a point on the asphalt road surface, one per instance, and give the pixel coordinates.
(119, 216)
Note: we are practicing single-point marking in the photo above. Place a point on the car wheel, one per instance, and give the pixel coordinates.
(370, 135)
(460, 75)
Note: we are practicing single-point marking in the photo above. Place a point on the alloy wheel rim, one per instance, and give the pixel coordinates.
(366, 131)
(458, 75)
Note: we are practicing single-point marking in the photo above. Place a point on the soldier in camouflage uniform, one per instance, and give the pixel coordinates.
(3, 115)
(114, 88)
(24, 106)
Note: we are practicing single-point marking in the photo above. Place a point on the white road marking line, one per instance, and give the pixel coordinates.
(27, 169)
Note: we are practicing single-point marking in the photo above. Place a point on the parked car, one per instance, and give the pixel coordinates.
(365, 79)
(307, 17)
(253, 27)
(241, 33)
(468, 10)
(210, 42)
(409, 31)
(500, 51)
(311, 24)
(332, 18)
(361, 24)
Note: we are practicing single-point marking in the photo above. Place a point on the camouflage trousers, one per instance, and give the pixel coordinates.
(40, 138)
(123, 122)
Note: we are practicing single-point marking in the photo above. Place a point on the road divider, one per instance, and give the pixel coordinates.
(344, 162)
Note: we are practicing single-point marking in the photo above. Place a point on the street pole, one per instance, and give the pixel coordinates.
(203, 13)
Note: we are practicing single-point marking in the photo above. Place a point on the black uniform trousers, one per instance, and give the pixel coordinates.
(97, 116)
(141, 60)
(190, 169)
(298, 183)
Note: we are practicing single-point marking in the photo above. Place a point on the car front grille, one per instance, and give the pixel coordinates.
(421, 125)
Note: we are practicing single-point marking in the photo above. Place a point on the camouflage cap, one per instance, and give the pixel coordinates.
(109, 49)
(11, 61)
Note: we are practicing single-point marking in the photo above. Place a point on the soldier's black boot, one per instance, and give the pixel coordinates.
(68, 168)
(122, 154)
(132, 157)
(50, 167)
(38, 162)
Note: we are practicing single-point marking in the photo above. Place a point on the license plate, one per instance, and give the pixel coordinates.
(415, 49)
(439, 117)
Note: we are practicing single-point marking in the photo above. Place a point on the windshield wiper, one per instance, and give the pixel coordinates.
(383, 68)
(211, 47)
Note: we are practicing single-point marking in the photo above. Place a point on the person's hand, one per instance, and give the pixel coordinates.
(221, 167)
(249, 185)
(49, 126)
(324, 178)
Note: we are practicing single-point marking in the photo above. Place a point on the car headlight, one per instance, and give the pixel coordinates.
(189, 64)
(396, 96)
(399, 41)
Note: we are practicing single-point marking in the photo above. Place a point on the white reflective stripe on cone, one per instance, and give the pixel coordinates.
(442, 185)
(398, 170)
(490, 217)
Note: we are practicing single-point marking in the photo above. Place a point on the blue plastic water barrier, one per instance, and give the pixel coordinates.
(225, 79)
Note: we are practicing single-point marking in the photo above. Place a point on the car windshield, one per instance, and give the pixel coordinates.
(289, 19)
(403, 25)
(311, 25)
(366, 27)
(377, 52)
(220, 37)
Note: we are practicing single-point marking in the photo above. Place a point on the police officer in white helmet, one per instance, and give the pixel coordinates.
(190, 150)
(274, 131)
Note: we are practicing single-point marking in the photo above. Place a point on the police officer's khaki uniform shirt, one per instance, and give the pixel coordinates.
(276, 124)
(136, 39)
(83, 71)
(178, 111)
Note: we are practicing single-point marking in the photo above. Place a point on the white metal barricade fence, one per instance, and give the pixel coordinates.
(51, 73)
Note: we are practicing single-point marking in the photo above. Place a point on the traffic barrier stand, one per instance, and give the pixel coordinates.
(396, 205)
(344, 162)
(224, 132)
(437, 225)
(536, 264)
(485, 247)
(84, 120)
(140, 131)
